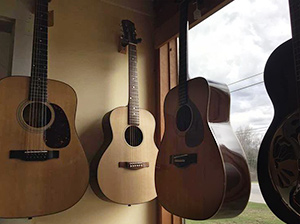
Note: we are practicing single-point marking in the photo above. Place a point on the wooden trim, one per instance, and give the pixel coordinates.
(167, 19)
(176, 220)
(126, 6)
(167, 79)
(51, 18)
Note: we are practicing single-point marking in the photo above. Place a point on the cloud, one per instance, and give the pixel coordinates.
(235, 43)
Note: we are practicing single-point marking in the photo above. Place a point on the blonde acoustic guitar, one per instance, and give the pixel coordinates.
(43, 166)
(123, 170)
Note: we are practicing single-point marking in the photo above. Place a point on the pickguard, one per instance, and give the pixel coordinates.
(58, 134)
(195, 134)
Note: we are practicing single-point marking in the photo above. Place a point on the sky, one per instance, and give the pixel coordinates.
(234, 44)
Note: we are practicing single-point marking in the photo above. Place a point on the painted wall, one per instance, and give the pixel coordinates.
(83, 53)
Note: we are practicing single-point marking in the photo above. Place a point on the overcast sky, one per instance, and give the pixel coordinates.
(235, 43)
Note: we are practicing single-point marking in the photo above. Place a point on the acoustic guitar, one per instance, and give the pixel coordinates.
(44, 169)
(279, 155)
(201, 171)
(123, 170)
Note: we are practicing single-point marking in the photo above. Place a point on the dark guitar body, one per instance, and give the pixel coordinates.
(281, 86)
(201, 172)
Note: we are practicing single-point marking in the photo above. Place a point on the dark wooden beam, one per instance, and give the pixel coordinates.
(167, 17)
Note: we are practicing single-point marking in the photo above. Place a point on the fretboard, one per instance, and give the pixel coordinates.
(133, 104)
(39, 66)
(183, 56)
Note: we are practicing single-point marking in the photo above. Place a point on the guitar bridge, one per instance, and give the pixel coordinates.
(133, 165)
(33, 155)
(183, 160)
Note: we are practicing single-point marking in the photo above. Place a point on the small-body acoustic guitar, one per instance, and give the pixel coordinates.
(44, 169)
(279, 154)
(123, 170)
(201, 170)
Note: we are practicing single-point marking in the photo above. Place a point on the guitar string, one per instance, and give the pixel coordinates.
(183, 37)
(294, 8)
(38, 117)
(36, 100)
(294, 25)
(32, 90)
(42, 82)
(38, 97)
(130, 101)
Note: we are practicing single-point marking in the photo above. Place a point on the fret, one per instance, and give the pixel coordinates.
(40, 43)
(42, 16)
(39, 84)
(41, 8)
(41, 35)
(39, 46)
(41, 23)
(38, 94)
(42, 57)
(39, 69)
(41, 60)
(43, 38)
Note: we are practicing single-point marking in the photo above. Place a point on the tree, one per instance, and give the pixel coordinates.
(250, 143)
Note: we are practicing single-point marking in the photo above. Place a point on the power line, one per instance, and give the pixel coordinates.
(249, 77)
(253, 129)
(245, 87)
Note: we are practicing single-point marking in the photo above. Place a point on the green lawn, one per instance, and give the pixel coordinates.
(254, 213)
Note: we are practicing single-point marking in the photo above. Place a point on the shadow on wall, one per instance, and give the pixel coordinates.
(92, 138)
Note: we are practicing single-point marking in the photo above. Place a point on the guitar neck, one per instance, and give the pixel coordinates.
(133, 102)
(39, 66)
(183, 55)
(295, 23)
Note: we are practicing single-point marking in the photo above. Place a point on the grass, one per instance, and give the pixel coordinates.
(254, 213)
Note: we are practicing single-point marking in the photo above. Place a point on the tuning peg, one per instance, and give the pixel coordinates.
(139, 40)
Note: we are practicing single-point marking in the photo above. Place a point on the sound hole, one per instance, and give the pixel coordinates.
(133, 136)
(184, 118)
(37, 115)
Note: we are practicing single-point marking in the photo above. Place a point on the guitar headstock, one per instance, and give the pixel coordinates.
(129, 33)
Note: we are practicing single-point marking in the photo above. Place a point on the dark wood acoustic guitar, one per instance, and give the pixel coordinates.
(123, 170)
(279, 154)
(44, 169)
(201, 171)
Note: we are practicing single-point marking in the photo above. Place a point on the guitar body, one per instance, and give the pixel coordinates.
(37, 187)
(201, 172)
(279, 152)
(120, 184)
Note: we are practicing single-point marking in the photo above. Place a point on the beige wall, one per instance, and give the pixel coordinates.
(83, 53)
